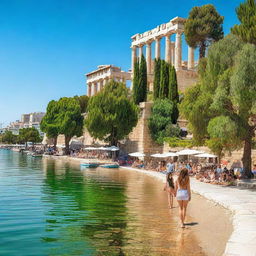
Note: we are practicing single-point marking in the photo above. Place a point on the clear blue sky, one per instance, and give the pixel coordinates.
(47, 46)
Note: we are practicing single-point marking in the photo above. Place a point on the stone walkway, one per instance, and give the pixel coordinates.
(242, 203)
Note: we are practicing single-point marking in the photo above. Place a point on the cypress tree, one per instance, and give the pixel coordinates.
(173, 85)
(135, 82)
(157, 71)
(164, 80)
(142, 84)
(173, 94)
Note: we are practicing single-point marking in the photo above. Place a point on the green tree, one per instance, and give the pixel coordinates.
(197, 105)
(164, 80)
(157, 75)
(243, 98)
(135, 82)
(203, 26)
(143, 87)
(83, 102)
(69, 119)
(246, 13)
(223, 135)
(111, 115)
(29, 135)
(160, 121)
(230, 75)
(173, 93)
(9, 138)
(49, 123)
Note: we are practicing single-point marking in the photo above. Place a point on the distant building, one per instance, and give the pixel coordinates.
(97, 79)
(27, 121)
(25, 118)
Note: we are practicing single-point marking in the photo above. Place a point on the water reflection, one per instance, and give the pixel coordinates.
(95, 210)
(54, 208)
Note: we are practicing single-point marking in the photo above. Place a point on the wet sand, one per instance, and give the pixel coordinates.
(208, 228)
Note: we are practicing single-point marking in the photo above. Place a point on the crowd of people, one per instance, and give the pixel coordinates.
(205, 172)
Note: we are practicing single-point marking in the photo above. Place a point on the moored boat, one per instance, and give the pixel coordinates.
(89, 165)
(110, 165)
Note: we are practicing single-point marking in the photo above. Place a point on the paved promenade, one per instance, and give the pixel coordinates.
(241, 202)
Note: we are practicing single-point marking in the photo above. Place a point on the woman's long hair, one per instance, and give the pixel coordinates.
(183, 178)
(170, 180)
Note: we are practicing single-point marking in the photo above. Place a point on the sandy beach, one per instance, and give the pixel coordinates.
(209, 222)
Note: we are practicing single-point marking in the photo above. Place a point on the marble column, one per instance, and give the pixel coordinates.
(178, 54)
(89, 89)
(95, 87)
(191, 62)
(134, 56)
(140, 51)
(157, 48)
(104, 82)
(173, 54)
(148, 57)
(167, 49)
(100, 85)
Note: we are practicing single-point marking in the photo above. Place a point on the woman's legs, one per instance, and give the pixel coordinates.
(170, 200)
(180, 202)
(185, 204)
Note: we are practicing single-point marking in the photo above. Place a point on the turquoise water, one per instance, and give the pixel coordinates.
(48, 207)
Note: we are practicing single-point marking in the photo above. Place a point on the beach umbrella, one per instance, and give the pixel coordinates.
(206, 155)
(89, 148)
(159, 155)
(137, 154)
(186, 152)
(170, 154)
(114, 148)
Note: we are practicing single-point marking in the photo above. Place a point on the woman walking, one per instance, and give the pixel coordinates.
(183, 193)
(170, 188)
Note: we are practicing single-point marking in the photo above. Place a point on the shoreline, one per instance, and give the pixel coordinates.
(243, 220)
(241, 204)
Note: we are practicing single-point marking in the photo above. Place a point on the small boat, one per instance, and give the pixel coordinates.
(89, 165)
(110, 166)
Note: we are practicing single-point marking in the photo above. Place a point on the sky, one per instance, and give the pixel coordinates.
(47, 46)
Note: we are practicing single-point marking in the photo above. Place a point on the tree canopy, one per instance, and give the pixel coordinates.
(83, 102)
(111, 115)
(63, 117)
(160, 122)
(225, 98)
(69, 119)
(49, 124)
(29, 135)
(203, 26)
(246, 13)
(140, 81)
(157, 76)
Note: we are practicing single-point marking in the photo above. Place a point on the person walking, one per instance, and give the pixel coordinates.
(183, 193)
(170, 167)
(170, 188)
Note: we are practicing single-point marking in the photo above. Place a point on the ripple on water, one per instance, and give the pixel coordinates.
(51, 208)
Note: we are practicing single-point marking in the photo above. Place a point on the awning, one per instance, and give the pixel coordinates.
(137, 154)
(186, 152)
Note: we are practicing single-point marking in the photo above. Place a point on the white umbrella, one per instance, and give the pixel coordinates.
(158, 155)
(169, 154)
(114, 148)
(137, 154)
(206, 155)
(186, 152)
(89, 148)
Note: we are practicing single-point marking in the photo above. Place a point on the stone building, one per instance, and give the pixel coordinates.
(98, 78)
(186, 72)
